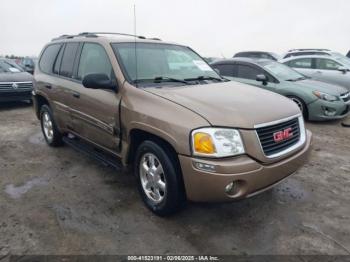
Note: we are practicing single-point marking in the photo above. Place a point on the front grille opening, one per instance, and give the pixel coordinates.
(345, 96)
(267, 136)
(19, 85)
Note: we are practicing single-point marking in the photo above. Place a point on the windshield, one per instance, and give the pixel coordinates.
(281, 71)
(345, 61)
(9, 67)
(164, 61)
(340, 56)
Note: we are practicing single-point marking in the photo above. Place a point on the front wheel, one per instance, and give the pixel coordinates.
(301, 104)
(159, 179)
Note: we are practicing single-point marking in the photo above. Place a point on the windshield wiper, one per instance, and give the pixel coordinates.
(200, 78)
(160, 79)
(297, 79)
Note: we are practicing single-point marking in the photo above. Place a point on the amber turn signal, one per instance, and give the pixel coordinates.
(203, 143)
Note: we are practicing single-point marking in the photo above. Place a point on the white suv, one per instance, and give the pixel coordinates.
(311, 51)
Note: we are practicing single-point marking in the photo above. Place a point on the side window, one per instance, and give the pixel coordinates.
(68, 58)
(48, 58)
(301, 63)
(94, 60)
(248, 72)
(327, 64)
(225, 70)
(56, 66)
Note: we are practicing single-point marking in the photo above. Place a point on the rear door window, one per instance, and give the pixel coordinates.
(56, 66)
(301, 63)
(67, 64)
(226, 69)
(48, 58)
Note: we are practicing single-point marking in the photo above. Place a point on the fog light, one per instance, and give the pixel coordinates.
(329, 111)
(232, 188)
(204, 166)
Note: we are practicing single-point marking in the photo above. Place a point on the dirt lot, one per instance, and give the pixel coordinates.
(58, 201)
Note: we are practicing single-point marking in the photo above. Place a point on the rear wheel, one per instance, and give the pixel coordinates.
(159, 179)
(301, 104)
(52, 136)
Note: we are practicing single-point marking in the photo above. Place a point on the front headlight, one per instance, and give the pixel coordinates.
(216, 142)
(325, 96)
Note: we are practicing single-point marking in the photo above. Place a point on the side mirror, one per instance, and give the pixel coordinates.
(343, 69)
(99, 81)
(262, 78)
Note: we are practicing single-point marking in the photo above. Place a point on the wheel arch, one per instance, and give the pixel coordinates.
(305, 104)
(39, 101)
(137, 136)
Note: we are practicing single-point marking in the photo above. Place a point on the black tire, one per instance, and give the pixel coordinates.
(301, 104)
(56, 138)
(174, 198)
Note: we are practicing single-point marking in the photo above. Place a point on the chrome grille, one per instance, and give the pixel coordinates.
(16, 85)
(266, 136)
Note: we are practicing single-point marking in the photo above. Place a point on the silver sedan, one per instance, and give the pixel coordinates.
(331, 69)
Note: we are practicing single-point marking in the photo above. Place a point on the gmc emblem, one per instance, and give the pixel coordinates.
(282, 135)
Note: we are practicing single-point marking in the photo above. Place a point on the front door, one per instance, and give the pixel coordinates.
(95, 112)
(327, 70)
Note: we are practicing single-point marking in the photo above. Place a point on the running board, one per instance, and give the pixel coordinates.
(105, 158)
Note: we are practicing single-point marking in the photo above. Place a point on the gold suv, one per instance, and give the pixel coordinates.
(161, 109)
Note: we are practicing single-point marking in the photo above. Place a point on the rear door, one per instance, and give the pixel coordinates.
(50, 84)
(65, 82)
(303, 65)
(95, 112)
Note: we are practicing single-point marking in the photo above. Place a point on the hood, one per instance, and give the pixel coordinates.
(230, 104)
(314, 85)
(16, 77)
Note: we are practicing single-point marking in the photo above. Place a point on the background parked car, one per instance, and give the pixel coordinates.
(15, 84)
(334, 70)
(28, 64)
(311, 51)
(317, 100)
(348, 54)
(258, 54)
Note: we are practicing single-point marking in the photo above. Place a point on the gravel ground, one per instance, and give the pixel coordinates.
(58, 201)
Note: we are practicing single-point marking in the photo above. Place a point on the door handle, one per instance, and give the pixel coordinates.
(48, 86)
(318, 72)
(76, 95)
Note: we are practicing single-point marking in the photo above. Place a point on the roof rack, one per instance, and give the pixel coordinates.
(309, 49)
(95, 34)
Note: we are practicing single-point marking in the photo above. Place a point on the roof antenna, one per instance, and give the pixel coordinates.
(135, 45)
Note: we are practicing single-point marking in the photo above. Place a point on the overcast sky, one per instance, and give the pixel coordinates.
(211, 27)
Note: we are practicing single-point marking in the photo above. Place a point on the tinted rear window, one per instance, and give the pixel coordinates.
(226, 69)
(68, 59)
(48, 58)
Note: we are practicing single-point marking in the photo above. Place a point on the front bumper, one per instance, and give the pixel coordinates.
(18, 95)
(251, 176)
(318, 110)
